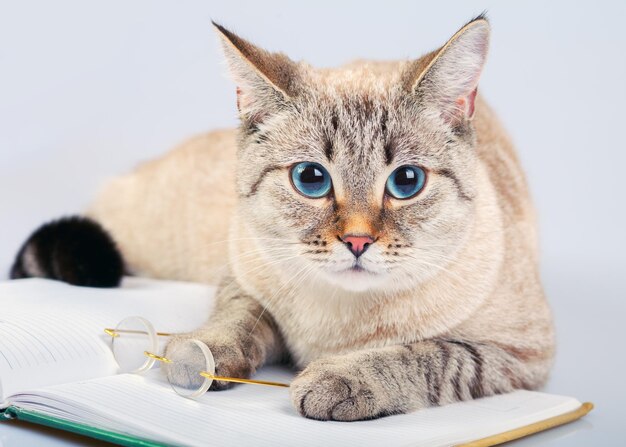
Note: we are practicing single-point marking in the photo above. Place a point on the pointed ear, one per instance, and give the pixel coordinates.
(449, 80)
(265, 81)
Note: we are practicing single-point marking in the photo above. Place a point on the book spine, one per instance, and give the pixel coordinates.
(5, 412)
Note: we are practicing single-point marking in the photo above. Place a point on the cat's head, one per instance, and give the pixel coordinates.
(363, 176)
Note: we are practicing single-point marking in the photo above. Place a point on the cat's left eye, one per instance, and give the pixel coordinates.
(406, 182)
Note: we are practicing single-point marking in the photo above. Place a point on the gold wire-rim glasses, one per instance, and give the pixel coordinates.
(114, 333)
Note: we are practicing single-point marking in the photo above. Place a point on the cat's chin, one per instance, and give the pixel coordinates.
(356, 279)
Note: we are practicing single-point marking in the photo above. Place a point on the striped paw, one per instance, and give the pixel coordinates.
(336, 391)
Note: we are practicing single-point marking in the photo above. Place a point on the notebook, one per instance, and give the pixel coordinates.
(57, 369)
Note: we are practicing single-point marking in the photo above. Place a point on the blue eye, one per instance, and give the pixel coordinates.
(406, 181)
(311, 179)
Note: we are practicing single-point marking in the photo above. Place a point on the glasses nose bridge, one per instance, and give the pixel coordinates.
(156, 357)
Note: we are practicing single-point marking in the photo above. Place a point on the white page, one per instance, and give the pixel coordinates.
(145, 406)
(51, 332)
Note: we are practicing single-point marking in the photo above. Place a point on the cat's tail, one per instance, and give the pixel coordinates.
(76, 250)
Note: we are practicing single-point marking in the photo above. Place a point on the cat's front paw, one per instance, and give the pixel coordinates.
(337, 391)
(230, 361)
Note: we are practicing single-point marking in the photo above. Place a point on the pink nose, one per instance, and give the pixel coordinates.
(357, 244)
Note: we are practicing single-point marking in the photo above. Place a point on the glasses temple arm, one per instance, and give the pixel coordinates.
(237, 380)
(116, 332)
(223, 379)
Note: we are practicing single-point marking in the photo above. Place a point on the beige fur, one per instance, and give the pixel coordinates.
(471, 320)
(171, 216)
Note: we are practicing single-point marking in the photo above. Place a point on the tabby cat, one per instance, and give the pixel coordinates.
(371, 224)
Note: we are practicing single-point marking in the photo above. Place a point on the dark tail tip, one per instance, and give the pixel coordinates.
(76, 250)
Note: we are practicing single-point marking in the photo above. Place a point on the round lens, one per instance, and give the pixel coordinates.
(188, 361)
(134, 336)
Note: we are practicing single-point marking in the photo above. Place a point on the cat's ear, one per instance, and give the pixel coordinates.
(265, 81)
(447, 79)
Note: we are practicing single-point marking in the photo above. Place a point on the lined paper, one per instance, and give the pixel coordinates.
(52, 333)
(145, 406)
(41, 339)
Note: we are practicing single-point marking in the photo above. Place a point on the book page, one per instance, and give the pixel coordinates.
(52, 333)
(146, 407)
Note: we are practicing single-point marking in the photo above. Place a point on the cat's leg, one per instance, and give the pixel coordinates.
(397, 379)
(241, 336)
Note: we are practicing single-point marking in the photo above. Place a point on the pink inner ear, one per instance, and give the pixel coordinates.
(471, 98)
(465, 105)
(243, 108)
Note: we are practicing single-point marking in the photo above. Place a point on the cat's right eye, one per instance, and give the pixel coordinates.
(311, 179)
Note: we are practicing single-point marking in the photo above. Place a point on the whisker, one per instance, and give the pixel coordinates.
(252, 255)
(289, 241)
(263, 265)
(298, 276)
(421, 262)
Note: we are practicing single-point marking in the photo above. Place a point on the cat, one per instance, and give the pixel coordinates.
(370, 224)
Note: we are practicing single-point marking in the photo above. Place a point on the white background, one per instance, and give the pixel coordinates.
(88, 89)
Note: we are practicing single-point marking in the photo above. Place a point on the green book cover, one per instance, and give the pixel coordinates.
(35, 417)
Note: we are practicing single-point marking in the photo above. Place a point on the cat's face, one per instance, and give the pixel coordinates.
(358, 177)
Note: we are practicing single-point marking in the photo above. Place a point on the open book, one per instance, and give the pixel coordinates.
(57, 369)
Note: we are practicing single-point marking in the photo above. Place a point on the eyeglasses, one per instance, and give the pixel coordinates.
(190, 370)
